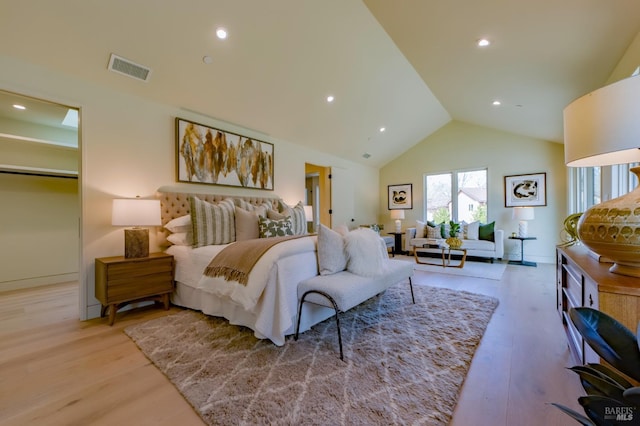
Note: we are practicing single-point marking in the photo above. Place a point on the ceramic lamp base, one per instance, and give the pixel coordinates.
(612, 229)
(522, 229)
(136, 243)
(398, 226)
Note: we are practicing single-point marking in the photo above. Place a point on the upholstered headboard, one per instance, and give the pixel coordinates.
(174, 204)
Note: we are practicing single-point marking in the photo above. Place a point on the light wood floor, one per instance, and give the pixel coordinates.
(56, 370)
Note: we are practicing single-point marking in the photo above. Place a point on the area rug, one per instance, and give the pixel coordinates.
(404, 363)
(491, 271)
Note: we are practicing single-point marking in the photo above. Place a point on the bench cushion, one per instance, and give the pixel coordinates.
(349, 290)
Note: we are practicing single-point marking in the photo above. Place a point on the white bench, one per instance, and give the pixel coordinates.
(344, 290)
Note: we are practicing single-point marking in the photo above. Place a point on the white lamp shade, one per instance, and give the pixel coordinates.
(523, 213)
(135, 212)
(397, 214)
(308, 213)
(603, 127)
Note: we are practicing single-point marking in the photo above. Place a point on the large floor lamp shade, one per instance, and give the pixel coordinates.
(603, 128)
(136, 212)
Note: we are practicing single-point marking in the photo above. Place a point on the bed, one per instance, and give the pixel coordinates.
(268, 303)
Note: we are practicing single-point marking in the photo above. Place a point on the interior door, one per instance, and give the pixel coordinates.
(342, 197)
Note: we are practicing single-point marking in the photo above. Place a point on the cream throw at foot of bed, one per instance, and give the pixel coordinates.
(235, 261)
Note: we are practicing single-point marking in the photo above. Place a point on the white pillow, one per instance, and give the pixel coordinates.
(342, 229)
(364, 256)
(180, 238)
(420, 229)
(473, 231)
(179, 224)
(331, 255)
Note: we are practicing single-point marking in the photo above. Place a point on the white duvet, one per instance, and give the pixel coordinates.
(270, 296)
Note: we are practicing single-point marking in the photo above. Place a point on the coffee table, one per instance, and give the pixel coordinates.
(446, 251)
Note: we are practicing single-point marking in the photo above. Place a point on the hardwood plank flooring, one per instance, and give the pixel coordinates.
(56, 370)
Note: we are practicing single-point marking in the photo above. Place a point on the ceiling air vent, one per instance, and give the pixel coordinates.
(126, 67)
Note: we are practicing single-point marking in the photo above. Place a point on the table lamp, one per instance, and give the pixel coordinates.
(523, 214)
(136, 212)
(398, 215)
(308, 214)
(603, 128)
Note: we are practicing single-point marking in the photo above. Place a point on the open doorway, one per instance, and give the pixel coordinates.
(318, 193)
(40, 192)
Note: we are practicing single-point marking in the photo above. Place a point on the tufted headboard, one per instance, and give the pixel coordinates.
(174, 204)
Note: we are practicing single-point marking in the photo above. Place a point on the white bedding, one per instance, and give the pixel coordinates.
(267, 304)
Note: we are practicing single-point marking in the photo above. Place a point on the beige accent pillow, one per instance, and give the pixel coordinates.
(434, 232)
(421, 229)
(274, 215)
(331, 255)
(246, 224)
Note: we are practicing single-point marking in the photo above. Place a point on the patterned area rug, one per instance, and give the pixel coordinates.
(404, 363)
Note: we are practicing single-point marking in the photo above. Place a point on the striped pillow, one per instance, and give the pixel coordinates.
(298, 219)
(212, 223)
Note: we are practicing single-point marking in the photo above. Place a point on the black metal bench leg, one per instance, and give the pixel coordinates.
(411, 286)
(335, 307)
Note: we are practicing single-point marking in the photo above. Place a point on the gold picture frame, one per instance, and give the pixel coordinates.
(213, 156)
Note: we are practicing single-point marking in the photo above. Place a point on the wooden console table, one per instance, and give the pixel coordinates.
(583, 281)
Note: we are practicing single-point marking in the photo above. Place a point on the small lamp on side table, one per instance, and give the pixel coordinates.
(398, 215)
(523, 214)
(136, 212)
(308, 214)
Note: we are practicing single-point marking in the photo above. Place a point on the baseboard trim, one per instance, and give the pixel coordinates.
(37, 281)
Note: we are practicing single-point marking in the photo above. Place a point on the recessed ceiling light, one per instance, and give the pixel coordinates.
(18, 106)
(207, 59)
(496, 103)
(382, 129)
(483, 42)
(221, 33)
(330, 98)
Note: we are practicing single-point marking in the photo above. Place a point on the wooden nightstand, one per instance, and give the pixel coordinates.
(120, 281)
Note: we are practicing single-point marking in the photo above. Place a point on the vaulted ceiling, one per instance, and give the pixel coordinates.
(409, 66)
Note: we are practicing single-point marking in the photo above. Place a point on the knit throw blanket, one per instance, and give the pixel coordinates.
(236, 261)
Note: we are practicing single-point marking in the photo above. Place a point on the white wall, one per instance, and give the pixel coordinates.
(127, 149)
(464, 146)
(39, 215)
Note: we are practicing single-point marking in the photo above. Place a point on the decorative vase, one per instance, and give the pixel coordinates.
(454, 242)
(612, 229)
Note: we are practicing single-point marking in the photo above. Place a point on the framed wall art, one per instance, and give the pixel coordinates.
(400, 197)
(212, 156)
(525, 190)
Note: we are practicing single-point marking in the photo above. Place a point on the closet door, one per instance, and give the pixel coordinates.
(342, 197)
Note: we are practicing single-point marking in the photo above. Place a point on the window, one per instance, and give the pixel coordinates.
(589, 186)
(470, 202)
